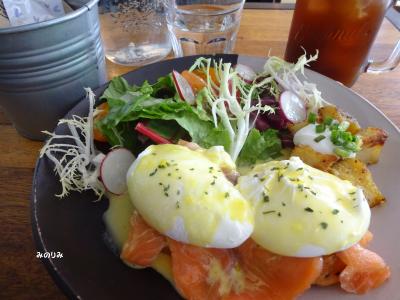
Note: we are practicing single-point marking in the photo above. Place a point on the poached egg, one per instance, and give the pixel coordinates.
(185, 195)
(304, 212)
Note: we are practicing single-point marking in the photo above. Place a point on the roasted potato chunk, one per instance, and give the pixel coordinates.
(313, 158)
(335, 113)
(373, 140)
(357, 173)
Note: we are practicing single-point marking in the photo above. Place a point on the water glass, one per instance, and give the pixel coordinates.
(134, 32)
(203, 26)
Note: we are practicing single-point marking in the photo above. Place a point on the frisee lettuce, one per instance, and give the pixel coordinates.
(286, 75)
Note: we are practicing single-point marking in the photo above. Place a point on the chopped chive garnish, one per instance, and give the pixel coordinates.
(334, 126)
(319, 138)
(268, 212)
(312, 118)
(266, 198)
(309, 209)
(226, 195)
(344, 125)
(191, 169)
(328, 121)
(280, 177)
(342, 152)
(299, 169)
(154, 172)
(324, 225)
(335, 211)
(283, 204)
(320, 128)
(279, 214)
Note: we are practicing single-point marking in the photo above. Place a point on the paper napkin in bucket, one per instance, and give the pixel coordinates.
(21, 12)
(3, 16)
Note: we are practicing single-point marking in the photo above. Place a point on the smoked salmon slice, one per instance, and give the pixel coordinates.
(199, 272)
(331, 268)
(246, 273)
(143, 244)
(250, 272)
(365, 270)
(283, 277)
(333, 265)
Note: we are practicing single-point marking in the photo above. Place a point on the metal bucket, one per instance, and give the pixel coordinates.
(44, 68)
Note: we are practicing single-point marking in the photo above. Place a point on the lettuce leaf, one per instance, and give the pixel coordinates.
(129, 104)
(260, 146)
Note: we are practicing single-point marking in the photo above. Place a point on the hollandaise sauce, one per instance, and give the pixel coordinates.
(304, 212)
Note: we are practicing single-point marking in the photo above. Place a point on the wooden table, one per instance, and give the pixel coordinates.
(22, 275)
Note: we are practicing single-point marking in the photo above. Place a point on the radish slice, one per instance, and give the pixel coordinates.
(293, 108)
(246, 73)
(113, 170)
(183, 87)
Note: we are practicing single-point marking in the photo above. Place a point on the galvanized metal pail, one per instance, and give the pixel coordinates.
(44, 68)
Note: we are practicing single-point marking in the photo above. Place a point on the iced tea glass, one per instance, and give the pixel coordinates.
(343, 32)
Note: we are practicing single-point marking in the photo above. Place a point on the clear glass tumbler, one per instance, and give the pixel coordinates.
(134, 32)
(203, 26)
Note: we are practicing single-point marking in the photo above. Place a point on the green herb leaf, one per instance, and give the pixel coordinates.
(319, 138)
(320, 128)
(312, 118)
(324, 225)
(328, 121)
